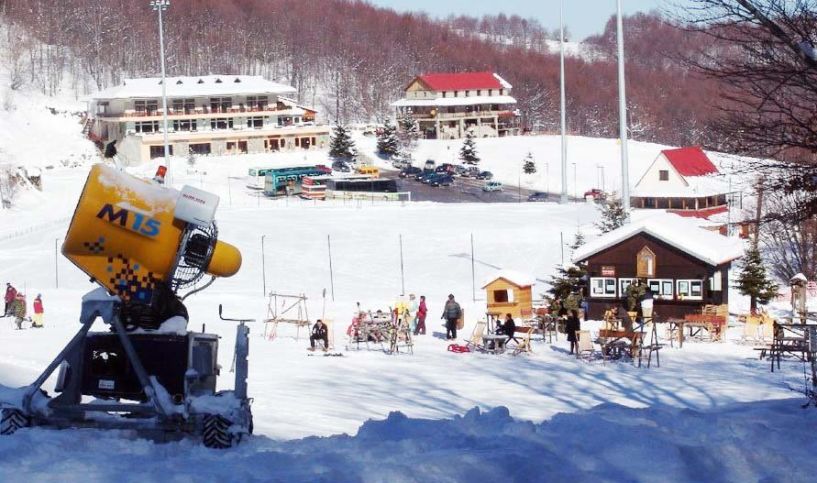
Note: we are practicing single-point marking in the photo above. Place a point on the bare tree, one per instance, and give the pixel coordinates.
(790, 248)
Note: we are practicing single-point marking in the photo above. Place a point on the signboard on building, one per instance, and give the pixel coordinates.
(608, 271)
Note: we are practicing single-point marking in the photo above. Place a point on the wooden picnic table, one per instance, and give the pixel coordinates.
(493, 343)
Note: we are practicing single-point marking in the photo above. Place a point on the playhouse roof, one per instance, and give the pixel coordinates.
(517, 278)
(681, 233)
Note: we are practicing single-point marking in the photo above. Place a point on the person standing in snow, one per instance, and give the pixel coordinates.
(572, 327)
(798, 296)
(37, 319)
(411, 312)
(18, 310)
(509, 328)
(451, 314)
(319, 332)
(422, 310)
(11, 293)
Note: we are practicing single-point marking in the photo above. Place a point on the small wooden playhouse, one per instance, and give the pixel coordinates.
(509, 292)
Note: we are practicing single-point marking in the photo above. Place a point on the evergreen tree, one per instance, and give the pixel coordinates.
(468, 152)
(566, 287)
(388, 144)
(754, 281)
(529, 166)
(578, 240)
(408, 133)
(613, 214)
(341, 146)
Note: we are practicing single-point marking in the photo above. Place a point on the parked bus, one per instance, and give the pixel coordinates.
(287, 181)
(256, 177)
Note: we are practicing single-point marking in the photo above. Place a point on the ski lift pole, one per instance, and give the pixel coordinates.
(331, 272)
(473, 272)
(402, 271)
(263, 265)
(56, 262)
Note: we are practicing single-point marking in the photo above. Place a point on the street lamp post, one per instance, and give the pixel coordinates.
(575, 184)
(622, 113)
(562, 100)
(161, 6)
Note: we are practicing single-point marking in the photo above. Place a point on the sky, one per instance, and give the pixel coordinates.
(582, 17)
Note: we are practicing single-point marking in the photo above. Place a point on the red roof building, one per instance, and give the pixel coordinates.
(683, 181)
(447, 105)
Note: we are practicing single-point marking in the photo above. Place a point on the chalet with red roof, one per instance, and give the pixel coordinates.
(447, 105)
(683, 181)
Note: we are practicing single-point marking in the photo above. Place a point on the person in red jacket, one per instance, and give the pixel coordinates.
(11, 294)
(37, 320)
(422, 310)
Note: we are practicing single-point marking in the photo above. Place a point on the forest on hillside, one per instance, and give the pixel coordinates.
(350, 59)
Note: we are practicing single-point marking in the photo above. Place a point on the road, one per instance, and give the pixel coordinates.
(464, 190)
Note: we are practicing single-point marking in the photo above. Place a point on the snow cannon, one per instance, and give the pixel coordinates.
(140, 240)
(142, 243)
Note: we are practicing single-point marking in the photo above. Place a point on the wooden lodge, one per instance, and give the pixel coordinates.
(509, 292)
(685, 267)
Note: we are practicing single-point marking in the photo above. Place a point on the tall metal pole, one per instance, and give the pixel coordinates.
(160, 6)
(473, 272)
(402, 272)
(263, 265)
(563, 102)
(622, 114)
(331, 271)
(56, 262)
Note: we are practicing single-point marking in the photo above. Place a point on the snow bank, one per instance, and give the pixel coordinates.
(766, 441)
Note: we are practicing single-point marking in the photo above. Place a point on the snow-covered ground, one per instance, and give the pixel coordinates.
(711, 411)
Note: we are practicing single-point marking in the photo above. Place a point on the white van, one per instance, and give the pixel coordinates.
(492, 186)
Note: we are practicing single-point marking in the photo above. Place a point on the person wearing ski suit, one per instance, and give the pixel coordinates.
(37, 319)
(11, 293)
(422, 310)
(451, 314)
(319, 332)
(411, 312)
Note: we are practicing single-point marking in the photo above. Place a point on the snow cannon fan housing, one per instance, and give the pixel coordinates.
(135, 237)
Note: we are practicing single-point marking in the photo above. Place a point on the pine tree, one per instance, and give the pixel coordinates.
(613, 214)
(388, 144)
(566, 287)
(578, 240)
(341, 146)
(529, 166)
(408, 133)
(754, 281)
(468, 152)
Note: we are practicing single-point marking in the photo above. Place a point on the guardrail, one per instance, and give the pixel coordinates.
(21, 232)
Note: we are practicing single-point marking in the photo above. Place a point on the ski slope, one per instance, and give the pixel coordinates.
(711, 411)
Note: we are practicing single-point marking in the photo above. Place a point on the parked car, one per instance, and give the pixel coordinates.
(492, 186)
(468, 171)
(401, 161)
(485, 175)
(410, 172)
(324, 169)
(595, 193)
(430, 164)
(430, 177)
(442, 180)
(446, 168)
(341, 166)
(538, 196)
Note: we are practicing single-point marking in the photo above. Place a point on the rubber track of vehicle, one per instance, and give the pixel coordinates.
(12, 421)
(216, 433)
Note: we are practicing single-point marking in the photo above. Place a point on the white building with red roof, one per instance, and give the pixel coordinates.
(683, 181)
(447, 105)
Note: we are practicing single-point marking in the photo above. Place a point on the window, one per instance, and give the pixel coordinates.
(716, 282)
(221, 123)
(145, 106)
(645, 263)
(624, 284)
(690, 289)
(159, 151)
(147, 126)
(500, 296)
(603, 287)
(661, 288)
(479, 92)
(183, 125)
(220, 104)
(200, 148)
(257, 103)
(255, 122)
(186, 106)
(663, 175)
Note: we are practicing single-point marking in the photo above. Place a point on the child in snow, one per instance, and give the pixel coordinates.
(319, 332)
(422, 310)
(18, 310)
(37, 319)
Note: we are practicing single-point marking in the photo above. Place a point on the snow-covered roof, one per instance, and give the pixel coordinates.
(682, 233)
(517, 278)
(206, 85)
(454, 101)
(696, 187)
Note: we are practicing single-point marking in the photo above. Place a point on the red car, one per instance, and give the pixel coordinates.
(324, 168)
(596, 193)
